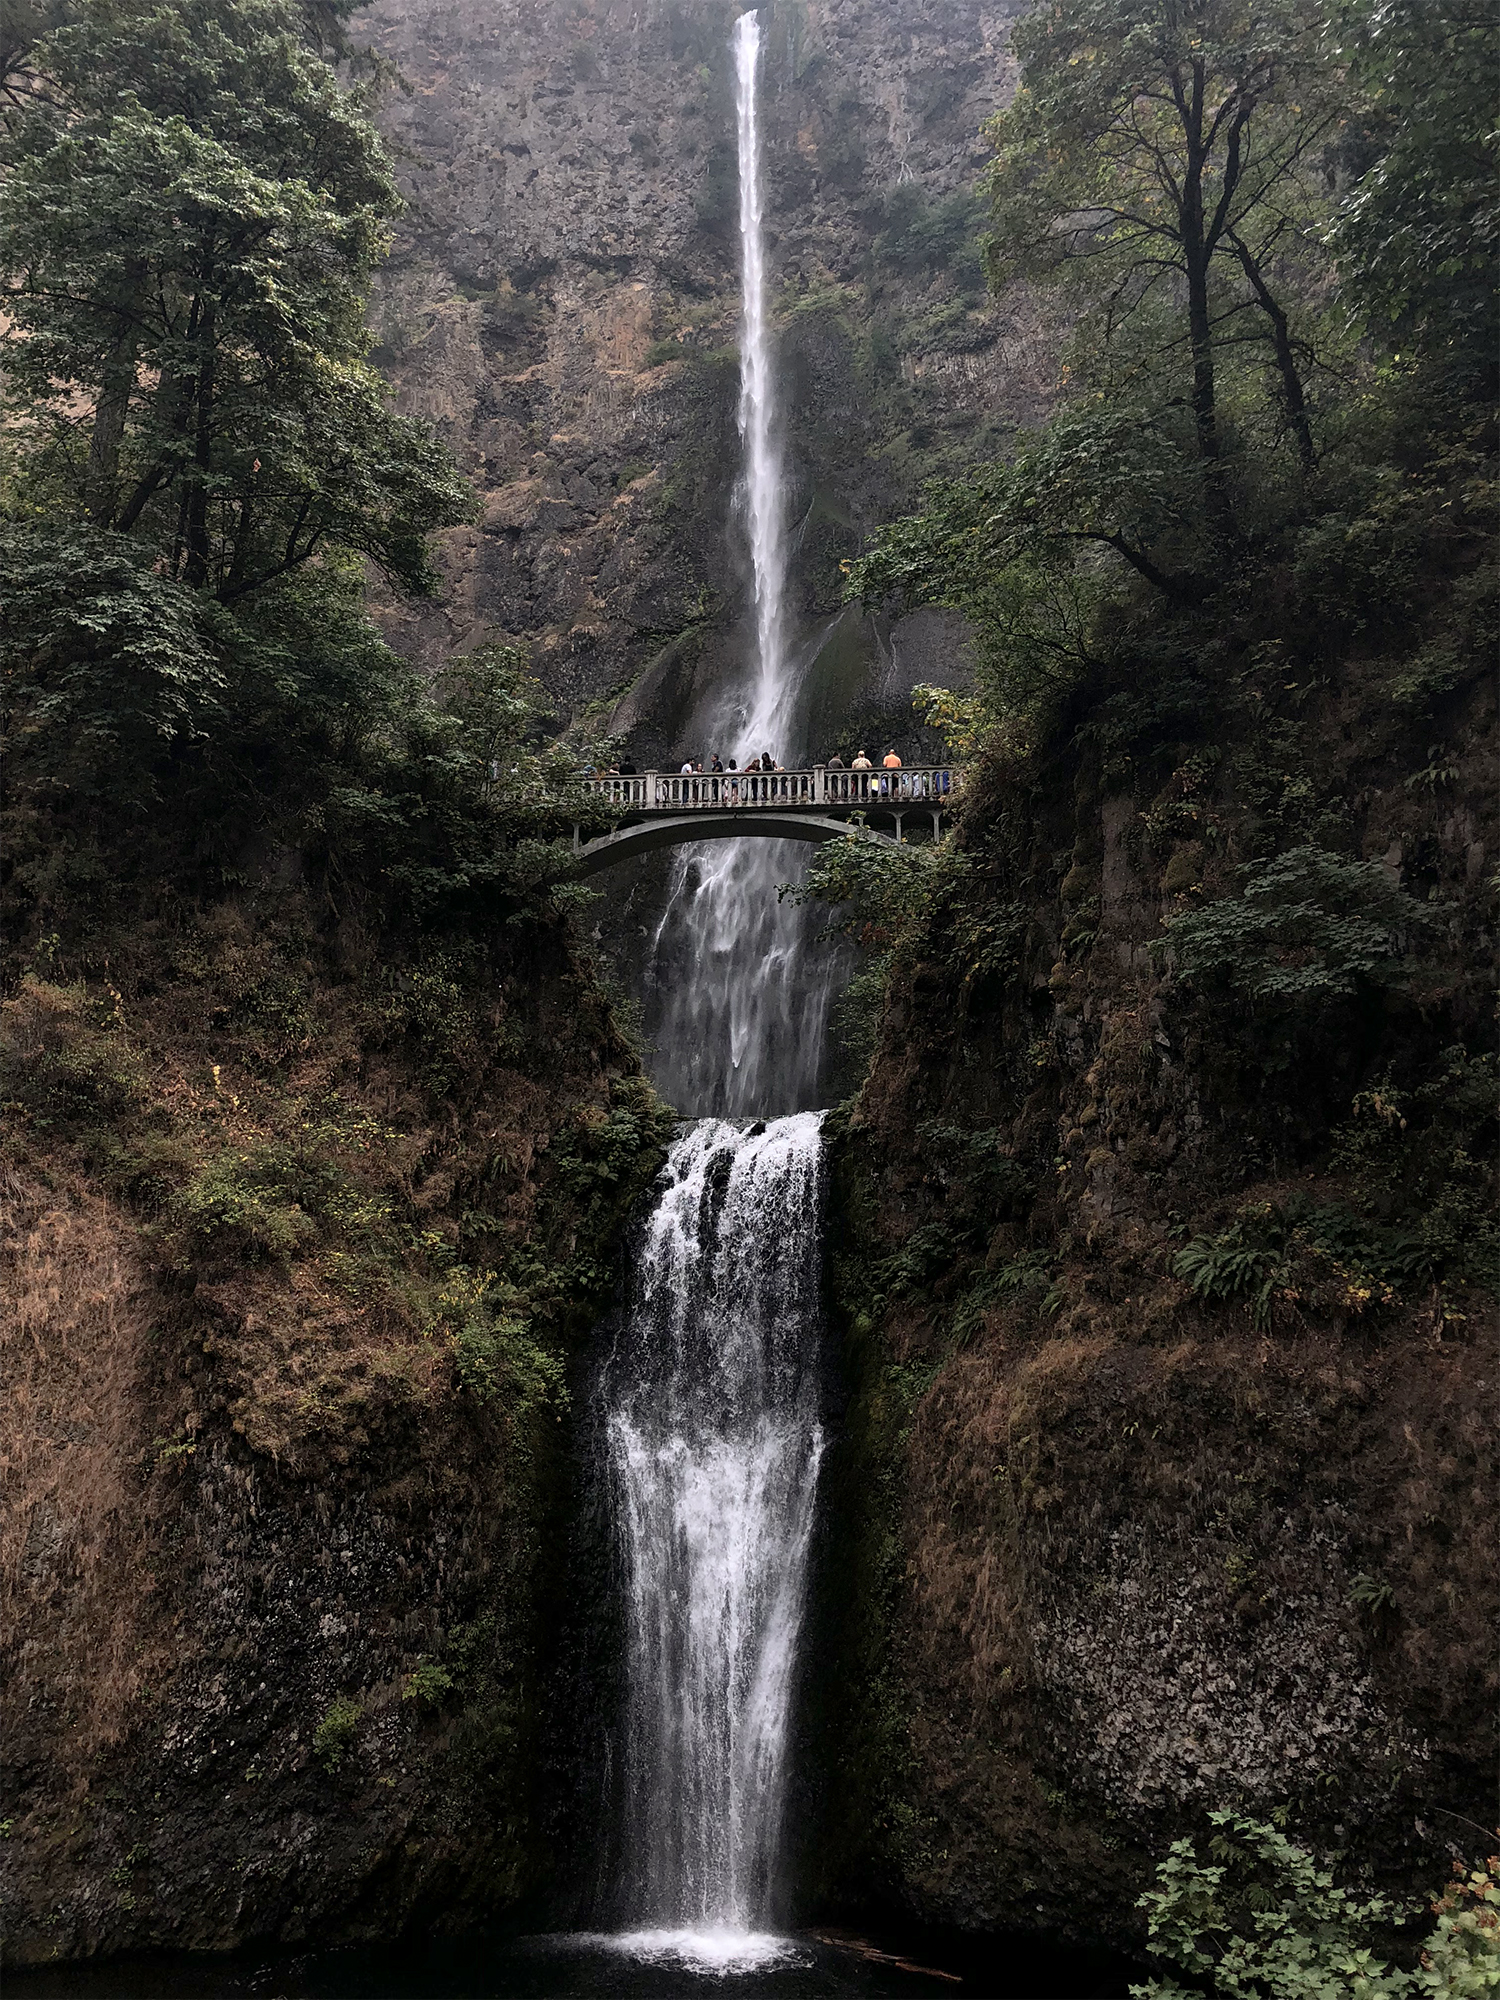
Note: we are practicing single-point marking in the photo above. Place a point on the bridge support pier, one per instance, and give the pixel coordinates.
(899, 818)
(937, 827)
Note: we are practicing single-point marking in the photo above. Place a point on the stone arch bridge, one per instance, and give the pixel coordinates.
(662, 809)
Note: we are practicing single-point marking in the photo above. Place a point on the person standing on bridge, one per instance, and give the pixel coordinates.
(861, 763)
(835, 763)
(713, 761)
(891, 761)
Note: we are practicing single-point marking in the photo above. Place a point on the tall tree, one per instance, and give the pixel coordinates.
(1168, 151)
(191, 209)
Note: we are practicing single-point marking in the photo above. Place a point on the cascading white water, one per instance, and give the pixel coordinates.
(710, 1398)
(710, 1406)
(763, 718)
(736, 1020)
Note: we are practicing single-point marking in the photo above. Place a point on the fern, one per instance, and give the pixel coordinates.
(1229, 1265)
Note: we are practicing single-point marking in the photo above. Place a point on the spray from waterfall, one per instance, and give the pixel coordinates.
(738, 1012)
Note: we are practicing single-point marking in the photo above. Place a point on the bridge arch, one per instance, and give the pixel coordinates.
(670, 830)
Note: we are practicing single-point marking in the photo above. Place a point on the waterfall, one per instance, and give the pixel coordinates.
(737, 1022)
(763, 719)
(710, 1404)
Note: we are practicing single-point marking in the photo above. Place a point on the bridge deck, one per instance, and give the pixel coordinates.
(661, 808)
(836, 793)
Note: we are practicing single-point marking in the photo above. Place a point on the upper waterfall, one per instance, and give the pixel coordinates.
(765, 720)
(738, 1013)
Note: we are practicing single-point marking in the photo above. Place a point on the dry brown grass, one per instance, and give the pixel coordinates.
(76, 1428)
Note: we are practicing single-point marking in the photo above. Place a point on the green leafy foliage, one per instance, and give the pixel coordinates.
(1174, 156)
(877, 887)
(66, 1061)
(189, 217)
(1352, 1255)
(1424, 1154)
(1419, 231)
(337, 1731)
(920, 237)
(276, 1200)
(101, 655)
(1309, 927)
(200, 467)
(1263, 1916)
(1224, 1266)
(428, 1684)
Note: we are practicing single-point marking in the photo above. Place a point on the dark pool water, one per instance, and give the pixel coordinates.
(645, 1966)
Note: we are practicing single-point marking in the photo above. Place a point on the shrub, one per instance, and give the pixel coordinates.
(1264, 1917)
(335, 1735)
(427, 1683)
(269, 1202)
(65, 1058)
(239, 1196)
(1309, 927)
(1224, 1266)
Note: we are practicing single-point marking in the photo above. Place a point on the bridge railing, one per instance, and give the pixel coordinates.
(688, 791)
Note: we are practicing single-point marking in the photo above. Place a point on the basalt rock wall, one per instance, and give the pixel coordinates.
(564, 306)
(286, 1497)
(1121, 1529)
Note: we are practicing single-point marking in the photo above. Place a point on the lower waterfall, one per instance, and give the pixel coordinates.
(710, 1407)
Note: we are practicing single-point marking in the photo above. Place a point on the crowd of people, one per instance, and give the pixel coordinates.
(728, 783)
(765, 762)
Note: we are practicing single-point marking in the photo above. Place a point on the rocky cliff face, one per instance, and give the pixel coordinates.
(300, 1249)
(564, 306)
(1165, 1458)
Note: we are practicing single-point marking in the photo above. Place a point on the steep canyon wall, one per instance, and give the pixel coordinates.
(564, 306)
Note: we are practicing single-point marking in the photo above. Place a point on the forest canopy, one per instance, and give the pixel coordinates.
(1273, 233)
(201, 469)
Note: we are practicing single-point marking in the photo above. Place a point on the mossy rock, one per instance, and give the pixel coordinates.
(1080, 882)
(1185, 869)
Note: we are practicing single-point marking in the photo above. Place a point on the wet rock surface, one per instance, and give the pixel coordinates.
(564, 307)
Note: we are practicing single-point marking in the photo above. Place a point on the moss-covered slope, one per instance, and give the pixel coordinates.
(305, 1222)
(1165, 1280)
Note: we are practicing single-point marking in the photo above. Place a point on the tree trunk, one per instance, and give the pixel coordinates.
(1196, 256)
(116, 386)
(1293, 394)
(196, 572)
(1205, 404)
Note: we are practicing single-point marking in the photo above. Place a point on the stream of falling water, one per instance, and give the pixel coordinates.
(711, 1420)
(737, 1019)
(710, 1400)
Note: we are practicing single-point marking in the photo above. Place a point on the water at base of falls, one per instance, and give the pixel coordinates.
(710, 1423)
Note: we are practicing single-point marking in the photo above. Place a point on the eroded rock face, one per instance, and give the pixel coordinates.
(564, 307)
(1111, 1549)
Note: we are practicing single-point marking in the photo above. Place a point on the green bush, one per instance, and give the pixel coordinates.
(427, 1683)
(495, 1354)
(335, 1734)
(271, 1201)
(65, 1058)
(1264, 1918)
(1308, 927)
(1225, 1266)
(1269, 1247)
